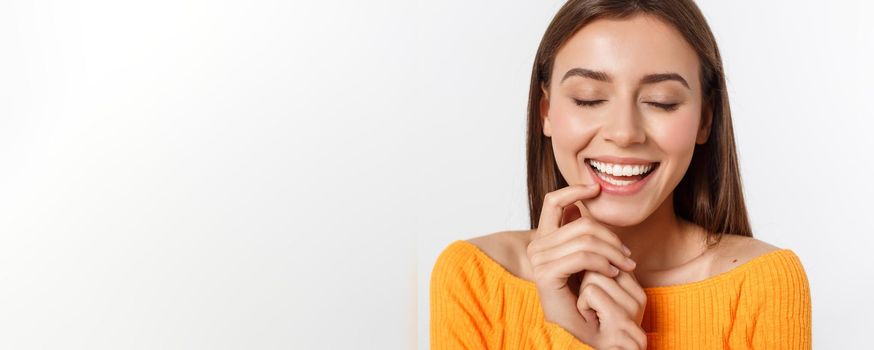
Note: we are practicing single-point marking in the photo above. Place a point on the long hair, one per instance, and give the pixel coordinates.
(710, 193)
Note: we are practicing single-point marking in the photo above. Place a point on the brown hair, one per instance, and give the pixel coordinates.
(710, 193)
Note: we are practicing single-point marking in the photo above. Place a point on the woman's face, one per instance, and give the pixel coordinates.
(644, 79)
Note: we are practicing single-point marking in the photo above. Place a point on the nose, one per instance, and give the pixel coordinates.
(623, 126)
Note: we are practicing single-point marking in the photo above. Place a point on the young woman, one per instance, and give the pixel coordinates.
(639, 233)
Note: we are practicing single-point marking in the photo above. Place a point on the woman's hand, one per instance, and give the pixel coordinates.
(618, 304)
(558, 253)
(624, 289)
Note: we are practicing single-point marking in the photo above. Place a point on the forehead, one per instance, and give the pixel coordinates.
(627, 49)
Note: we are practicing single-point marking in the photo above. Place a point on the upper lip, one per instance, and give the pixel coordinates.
(622, 160)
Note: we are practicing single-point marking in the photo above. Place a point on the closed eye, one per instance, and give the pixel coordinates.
(588, 103)
(666, 106)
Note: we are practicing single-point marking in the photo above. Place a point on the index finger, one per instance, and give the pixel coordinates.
(555, 201)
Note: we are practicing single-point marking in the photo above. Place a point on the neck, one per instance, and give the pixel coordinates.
(662, 241)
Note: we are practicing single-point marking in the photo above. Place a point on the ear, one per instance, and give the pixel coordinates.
(544, 111)
(706, 123)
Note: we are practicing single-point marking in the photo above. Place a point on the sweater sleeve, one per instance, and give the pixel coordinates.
(466, 308)
(554, 337)
(458, 302)
(783, 319)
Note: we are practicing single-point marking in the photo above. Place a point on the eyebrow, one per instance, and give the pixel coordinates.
(601, 76)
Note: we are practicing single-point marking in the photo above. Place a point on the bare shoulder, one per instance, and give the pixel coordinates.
(507, 248)
(734, 250)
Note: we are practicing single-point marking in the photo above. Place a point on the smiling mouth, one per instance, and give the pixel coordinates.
(621, 174)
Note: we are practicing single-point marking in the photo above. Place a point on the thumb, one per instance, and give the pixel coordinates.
(581, 207)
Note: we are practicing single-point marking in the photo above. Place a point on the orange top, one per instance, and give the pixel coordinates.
(764, 304)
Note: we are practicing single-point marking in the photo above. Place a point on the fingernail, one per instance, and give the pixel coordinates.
(614, 270)
(626, 250)
(630, 262)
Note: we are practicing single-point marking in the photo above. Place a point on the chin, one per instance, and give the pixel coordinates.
(616, 215)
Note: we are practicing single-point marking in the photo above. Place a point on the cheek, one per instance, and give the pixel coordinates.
(570, 131)
(676, 134)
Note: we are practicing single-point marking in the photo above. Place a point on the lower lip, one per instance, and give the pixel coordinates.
(620, 190)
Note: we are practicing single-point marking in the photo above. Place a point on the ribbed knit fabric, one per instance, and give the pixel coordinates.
(762, 304)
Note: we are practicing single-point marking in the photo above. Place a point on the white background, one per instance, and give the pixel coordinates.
(800, 85)
(276, 175)
(206, 175)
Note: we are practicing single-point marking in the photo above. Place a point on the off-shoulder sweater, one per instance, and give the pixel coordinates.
(764, 303)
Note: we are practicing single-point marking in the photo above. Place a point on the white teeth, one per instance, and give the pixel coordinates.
(617, 169)
(621, 170)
